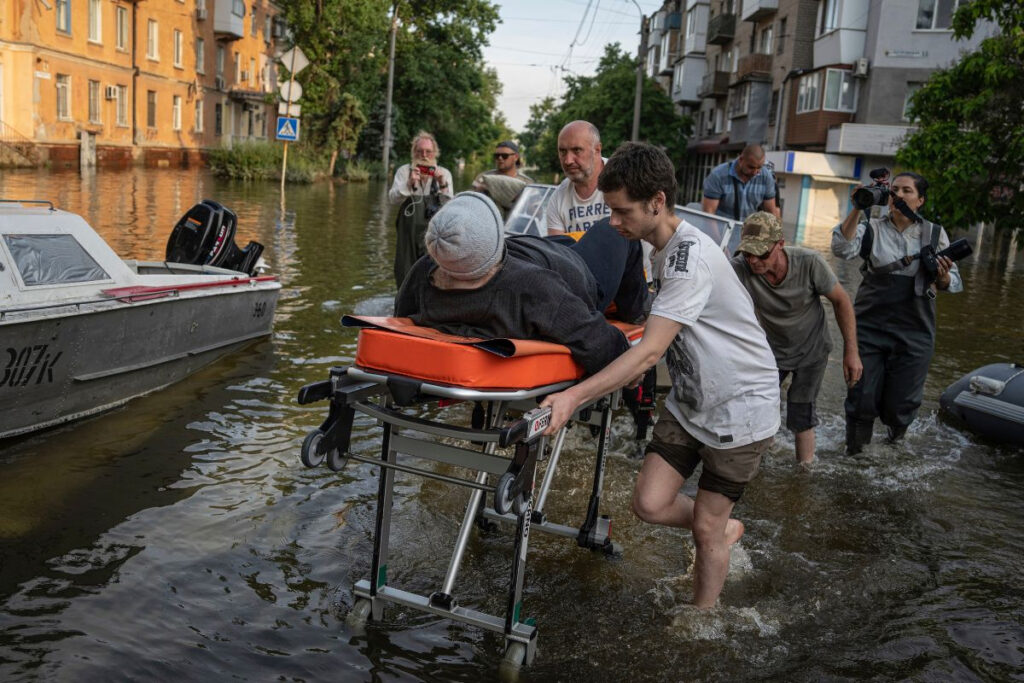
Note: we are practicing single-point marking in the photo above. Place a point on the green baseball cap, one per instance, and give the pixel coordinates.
(760, 231)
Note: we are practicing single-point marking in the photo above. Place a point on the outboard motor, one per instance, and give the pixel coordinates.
(205, 235)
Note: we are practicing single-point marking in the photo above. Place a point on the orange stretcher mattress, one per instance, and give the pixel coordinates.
(397, 346)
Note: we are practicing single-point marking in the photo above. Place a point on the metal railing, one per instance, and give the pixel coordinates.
(19, 144)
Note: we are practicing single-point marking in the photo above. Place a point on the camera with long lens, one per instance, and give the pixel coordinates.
(875, 194)
(930, 258)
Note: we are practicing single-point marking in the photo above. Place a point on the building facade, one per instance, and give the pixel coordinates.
(823, 85)
(115, 82)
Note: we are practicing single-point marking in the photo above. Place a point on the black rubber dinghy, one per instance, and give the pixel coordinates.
(989, 401)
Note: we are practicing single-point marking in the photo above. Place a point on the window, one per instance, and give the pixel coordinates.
(94, 101)
(176, 112)
(252, 24)
(218, 119)
(829, 16)
(63, 97)
(781, 42)
(220, 61)
(52, 260)
(178, 49)
(739, 100)
(773, 108)
(238, 67)
(63, 15)
(152, 48)
(122, 28)
(840, 91)
(691, 22)
(252, 71)
(200, 55)
(807, 93)
(911, 89)
(266, 29)
(122, 105)
(766, 41)
(151, 108)
(936, 14)
(95, 21)
(199, 115)
(238, 8)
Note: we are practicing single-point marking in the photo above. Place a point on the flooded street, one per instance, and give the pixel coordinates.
(179, 537)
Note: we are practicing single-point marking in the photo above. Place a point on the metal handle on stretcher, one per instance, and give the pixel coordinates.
(459, 481)
(529, 426)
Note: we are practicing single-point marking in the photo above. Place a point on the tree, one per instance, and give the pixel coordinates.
(969, 141)
(606, 100)
(441, 83)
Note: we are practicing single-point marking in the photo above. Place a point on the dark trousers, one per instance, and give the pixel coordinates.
(618, 266)
(892, 386)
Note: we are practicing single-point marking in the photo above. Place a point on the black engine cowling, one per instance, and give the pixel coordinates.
(205, 235)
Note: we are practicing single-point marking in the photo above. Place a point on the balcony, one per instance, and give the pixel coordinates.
(687, 78)
(756, 10)
(227, 25)
(721, 29)
(866, 139)
(754, 67)
(714, 84)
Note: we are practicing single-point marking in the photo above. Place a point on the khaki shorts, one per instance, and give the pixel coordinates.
(726, 470)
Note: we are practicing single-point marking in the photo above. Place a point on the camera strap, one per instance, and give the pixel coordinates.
(735, 198)
(903, 262)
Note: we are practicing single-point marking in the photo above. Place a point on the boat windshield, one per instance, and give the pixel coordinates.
(52, 260)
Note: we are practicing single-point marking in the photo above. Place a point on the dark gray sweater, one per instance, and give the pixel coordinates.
(543, 291)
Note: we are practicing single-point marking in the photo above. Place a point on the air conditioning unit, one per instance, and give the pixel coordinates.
(110, 92)
(218, 82)
(200, 13)
(860, 68)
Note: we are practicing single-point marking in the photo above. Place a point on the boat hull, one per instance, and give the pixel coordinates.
(61, 367)
(989, 402)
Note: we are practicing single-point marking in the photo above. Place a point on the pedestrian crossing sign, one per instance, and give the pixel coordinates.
(287, 128)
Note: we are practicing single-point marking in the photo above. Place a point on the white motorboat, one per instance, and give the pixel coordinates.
(83, 331)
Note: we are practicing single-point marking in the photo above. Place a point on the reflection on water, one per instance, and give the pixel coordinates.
(179, 538)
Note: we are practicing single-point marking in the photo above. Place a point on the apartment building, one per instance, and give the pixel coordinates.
(114, 82)
(822, 84)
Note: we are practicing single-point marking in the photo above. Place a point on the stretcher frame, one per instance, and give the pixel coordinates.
(381, 396)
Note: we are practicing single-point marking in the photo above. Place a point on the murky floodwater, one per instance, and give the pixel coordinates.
(179, 538)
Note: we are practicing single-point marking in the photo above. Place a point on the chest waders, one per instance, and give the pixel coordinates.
(411, 224)
(896, 339)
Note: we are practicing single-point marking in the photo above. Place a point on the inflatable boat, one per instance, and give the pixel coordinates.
(989, 401)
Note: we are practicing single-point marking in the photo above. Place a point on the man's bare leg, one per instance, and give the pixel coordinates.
(657, 500)
(804, 446)
(711, 536)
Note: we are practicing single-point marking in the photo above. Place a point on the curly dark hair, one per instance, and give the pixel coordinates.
(642, 169)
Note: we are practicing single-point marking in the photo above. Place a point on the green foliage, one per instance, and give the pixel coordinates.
(969, 141)
(355, 172)
(606, 100)
(262, 161)
(441, 84)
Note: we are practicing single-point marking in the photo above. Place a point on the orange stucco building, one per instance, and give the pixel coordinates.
(114, 82)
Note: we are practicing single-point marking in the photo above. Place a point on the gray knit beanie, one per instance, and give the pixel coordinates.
(466, 237)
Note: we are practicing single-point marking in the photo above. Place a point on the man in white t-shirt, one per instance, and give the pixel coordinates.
(723, 409)
(577, 203)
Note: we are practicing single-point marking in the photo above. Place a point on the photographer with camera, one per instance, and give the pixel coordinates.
(421, 187)
(905, 259)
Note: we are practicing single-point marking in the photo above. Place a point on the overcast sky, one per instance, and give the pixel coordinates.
(530, 49)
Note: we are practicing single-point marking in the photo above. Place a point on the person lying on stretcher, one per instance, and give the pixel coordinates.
(476, 282)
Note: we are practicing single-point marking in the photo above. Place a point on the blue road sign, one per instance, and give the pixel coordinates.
(287, 128)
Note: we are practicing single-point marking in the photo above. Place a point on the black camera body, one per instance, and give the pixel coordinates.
(875, 194)
(956, 250)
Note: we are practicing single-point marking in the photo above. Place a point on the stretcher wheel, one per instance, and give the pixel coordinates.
(360, 613)
(515, 657)
(309, 456)
(503, 499)
(337, 460)
(519, 504)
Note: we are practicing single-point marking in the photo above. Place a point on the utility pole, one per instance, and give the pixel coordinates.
(641, 56)
(386, 155)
